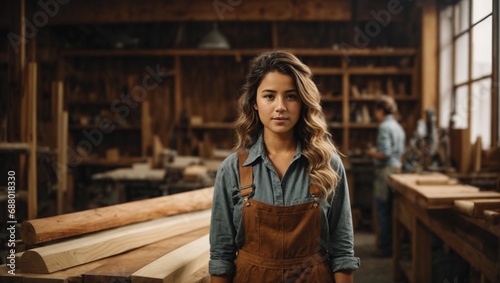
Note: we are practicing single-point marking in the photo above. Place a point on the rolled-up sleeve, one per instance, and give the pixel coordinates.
(341, 239)
(222, 232)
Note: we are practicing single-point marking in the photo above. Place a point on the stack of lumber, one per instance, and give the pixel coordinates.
(436, 191)
(486, 209)
(164, 239)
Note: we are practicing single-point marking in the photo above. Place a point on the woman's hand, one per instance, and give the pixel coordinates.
(220, 279)
(343, 277)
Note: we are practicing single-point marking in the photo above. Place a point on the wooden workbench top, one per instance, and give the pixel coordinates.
(435, 190)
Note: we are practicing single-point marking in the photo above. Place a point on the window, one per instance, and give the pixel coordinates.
(469, 30)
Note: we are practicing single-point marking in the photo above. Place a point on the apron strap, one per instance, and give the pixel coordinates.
(246, 175)
(314, 191)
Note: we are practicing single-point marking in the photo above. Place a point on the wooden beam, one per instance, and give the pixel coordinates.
(476, 208)
(32, 134)
(129, 11)
(176, 266)
(200, 276)
(429, 53)
(120, 267)
(61, 146)
(71, 275)
(177, 90)
(77, 223)
(93, 247)
(146, 134)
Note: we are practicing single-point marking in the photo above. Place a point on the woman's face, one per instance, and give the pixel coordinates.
(278, 103)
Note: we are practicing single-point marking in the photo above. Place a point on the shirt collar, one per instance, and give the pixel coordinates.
(258, 150)
(389, 117)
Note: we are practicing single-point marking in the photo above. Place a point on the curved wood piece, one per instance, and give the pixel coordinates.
(107, 243)
(78, 223)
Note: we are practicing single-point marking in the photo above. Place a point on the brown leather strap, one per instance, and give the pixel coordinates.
(314, 190)
(246, 175)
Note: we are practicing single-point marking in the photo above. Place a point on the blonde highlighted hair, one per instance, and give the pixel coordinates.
(311, 129)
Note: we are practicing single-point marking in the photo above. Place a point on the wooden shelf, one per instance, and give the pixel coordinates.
(237, 52)
(372, 98)
(335, 125)
(354, 125)
(124, 162)
(379, 71)
(20, 147)
(331, 98)
(213, 126)
(117, 128)
(326, 71)
(90, 103)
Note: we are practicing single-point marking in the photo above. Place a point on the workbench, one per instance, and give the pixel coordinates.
(425, 206)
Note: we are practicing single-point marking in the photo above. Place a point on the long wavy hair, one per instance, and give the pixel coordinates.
(311, 129)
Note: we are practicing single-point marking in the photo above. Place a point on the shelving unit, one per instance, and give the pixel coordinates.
(203, 84)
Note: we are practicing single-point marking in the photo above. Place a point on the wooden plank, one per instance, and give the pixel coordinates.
(70, 275)
(200, 276)
(67, 188)
(429, 53)
(77, 223)
(32, 134)
(111, 242)
(492, 216)
(437, 196)
(177, 90)
(176, 266)
(120, 267)
(235, 52)
(130, 11)
(61, 153)
(476, 208)
(476, 155)
(460, 149)
(146, 134)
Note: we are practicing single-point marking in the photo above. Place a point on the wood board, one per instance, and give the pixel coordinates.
(77, 223)
(435, 196)
(111, 242)
(176, 266)
(70, 275)
(120, 267)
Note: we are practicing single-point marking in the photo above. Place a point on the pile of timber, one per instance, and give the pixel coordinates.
(163, 239)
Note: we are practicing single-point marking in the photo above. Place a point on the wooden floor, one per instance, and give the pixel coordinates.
(372, 270)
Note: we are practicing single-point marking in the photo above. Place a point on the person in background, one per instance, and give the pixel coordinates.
(281, 210)
(390, 146)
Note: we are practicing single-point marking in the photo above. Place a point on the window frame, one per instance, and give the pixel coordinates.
(469, 82)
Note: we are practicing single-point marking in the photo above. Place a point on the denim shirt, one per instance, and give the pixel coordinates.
(390, 142)
(226, 229)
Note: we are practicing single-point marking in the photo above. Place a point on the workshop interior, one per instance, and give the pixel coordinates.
(116, 116)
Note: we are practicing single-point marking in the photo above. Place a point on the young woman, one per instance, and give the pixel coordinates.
(281, 210)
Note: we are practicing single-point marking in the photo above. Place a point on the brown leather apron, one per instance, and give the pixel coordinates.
(282, 243)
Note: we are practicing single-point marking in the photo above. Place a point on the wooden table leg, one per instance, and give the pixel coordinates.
(397, 229)
(422, 253)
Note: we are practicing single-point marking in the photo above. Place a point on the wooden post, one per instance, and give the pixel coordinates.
(345, 106)
(421, 249)
(275, 35)
(429, 55)
(61, 146)
(147, 136)
(177, 89)
(32, 176)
